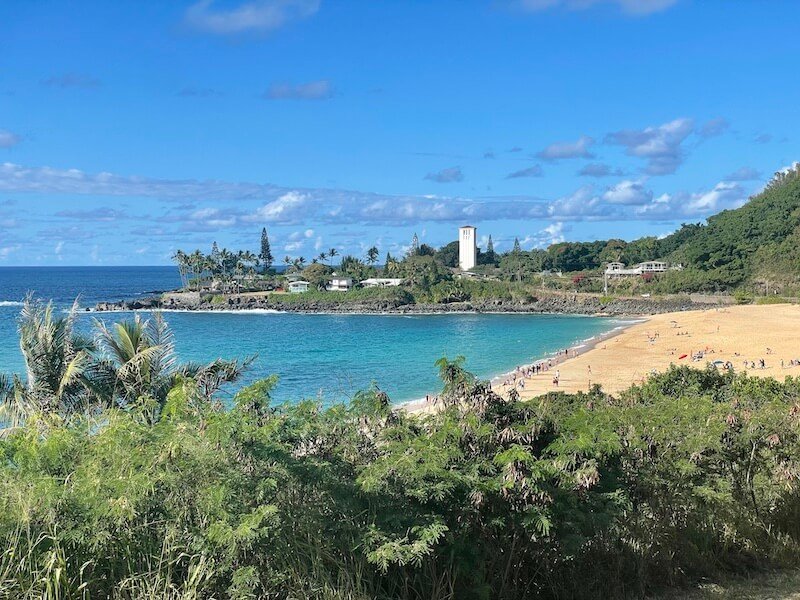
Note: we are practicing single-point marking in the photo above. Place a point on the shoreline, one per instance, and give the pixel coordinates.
(558, 303)
(759, 340)
(362, 312)
(756, 339)
(424, 405)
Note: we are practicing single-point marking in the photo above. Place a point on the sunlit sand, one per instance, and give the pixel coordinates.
(735, 335)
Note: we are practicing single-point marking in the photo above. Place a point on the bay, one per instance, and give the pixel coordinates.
(318, 355)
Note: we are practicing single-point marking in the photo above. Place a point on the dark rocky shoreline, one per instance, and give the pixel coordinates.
(552, 304)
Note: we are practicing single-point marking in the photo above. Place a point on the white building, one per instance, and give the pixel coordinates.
(297, 287)
(653, 266)
(381, 282)
(338, 283)
(617, 269)
(467, 248)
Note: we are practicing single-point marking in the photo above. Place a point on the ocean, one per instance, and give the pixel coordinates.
(315, 356)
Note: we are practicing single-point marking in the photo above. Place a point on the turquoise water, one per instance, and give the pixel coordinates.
(327, 356)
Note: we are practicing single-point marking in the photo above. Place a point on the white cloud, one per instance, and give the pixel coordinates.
(660, 146)
(552, 234)
(289, 207)
(8, 139)
(238, 204)
(561, 150)
(6, 251)
(212, 218)
(724, 195)
(629, 193)
(17, 178)
(582, 203)
(293, 246)
(259, 16)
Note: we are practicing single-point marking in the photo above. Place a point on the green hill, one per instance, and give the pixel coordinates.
(758, 243)
(756, 246)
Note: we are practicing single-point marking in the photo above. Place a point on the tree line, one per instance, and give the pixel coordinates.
(755, 245)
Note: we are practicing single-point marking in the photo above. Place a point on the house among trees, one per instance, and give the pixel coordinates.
(382, 282)
(298, 287)
(339, 283)
(618, 269)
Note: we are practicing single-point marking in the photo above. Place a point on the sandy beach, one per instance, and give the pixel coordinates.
(735, 334)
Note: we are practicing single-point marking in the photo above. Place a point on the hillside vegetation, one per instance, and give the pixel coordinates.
(757, 244)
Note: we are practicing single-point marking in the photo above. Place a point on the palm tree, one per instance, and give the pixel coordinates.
(130, 363)
(331, 253)
(372, 255)
(323, 256)
(197, 264)
(139, 365)
(181, 260)
(58, 365)
(458, 382)
(249, 264)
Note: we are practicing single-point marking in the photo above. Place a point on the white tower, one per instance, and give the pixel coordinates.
(467, 250)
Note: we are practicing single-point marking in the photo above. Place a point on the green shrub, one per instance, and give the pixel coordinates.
(773, 300)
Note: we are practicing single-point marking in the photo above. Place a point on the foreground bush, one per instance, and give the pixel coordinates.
(582, 496)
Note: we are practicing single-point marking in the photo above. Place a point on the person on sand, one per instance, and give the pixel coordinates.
(589, 369)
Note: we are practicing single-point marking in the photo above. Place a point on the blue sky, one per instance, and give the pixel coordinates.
(129, 129)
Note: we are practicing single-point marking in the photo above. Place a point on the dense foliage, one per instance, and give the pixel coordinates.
(565, 496)
(754, 245)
